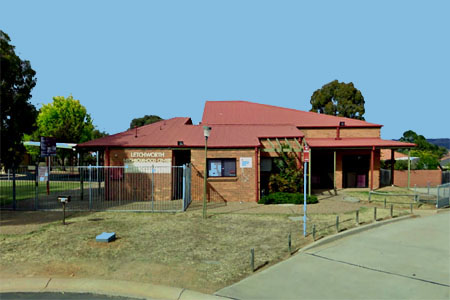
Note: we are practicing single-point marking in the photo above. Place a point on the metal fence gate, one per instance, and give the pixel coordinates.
(445, 177)
(156, 189)
(443, 195)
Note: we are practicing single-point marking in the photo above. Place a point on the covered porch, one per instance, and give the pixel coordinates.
(337, 163)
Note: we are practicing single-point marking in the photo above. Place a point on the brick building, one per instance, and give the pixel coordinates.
(245, 138)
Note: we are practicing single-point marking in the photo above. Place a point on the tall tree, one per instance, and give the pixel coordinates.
(66, 120)
(145, 120)
(17, 114)
(338, 99)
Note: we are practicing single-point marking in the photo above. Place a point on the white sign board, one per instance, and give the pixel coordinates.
(245, 162)
(148, 162)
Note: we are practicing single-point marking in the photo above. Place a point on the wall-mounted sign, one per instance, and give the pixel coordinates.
(306, 154)
(48, 146)
(245, 162)
(147, 162)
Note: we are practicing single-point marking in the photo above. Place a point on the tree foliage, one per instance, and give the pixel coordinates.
(145, 120)
(338, 99)
(290, 176)
(66, 120)
(428, 154)
(17, 114)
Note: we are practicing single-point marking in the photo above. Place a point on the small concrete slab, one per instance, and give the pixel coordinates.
(351, 199)
(106, 237)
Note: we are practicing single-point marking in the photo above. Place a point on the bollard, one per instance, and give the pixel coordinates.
(392, 210)
(370, 195)
(384, 202)
(314, 232)
(289, 243)
(374, 213)
(428, 185)
(357, 217)
(337, 223)
(411, 208)
(252, 259)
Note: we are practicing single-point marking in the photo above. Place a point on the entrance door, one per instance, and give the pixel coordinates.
(180, 158)
(322, 166)
(356, 171)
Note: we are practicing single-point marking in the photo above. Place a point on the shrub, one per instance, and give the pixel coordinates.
(290, 176)
(282, 198)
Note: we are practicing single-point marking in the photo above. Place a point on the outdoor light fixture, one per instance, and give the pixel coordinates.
(180, 143)
(206, 132)
(341, 123)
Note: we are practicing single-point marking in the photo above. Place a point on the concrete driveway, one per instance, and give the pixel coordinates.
(409, 259)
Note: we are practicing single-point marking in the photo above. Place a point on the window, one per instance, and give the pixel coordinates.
(223, 167)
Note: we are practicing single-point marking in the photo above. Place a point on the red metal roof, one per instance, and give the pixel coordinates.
(167, 133)
(243, 112)
(356, 143)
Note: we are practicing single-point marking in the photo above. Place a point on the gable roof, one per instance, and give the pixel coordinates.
(168, 133)
(245, 113)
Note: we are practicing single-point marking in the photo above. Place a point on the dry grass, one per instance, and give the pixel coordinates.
(176, 249)
(173, 249)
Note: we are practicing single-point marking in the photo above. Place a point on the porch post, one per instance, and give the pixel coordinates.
(256, 175)
(409, 167)
(334, 173)
(371, 167)
(309, 172)
(392, 166)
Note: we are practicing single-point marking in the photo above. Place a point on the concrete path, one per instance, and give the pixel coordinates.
(409, 259)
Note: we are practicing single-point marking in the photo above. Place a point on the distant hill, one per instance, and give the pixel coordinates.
(440, 142)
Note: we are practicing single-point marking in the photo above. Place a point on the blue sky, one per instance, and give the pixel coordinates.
(125, 59)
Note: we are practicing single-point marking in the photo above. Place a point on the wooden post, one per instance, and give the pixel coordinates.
(289, 243)
(392, 166)
(409, 167)
(252, 259)
(372, 158)
(392, 210)
(334, 173)
(411, 207)
(357, 217)
(309, 172)
(384, 202)
(374, 213)
(337, 224)
(256, 175)
(314, 232)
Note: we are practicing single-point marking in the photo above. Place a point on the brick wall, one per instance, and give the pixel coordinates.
(344, 132)
(418, 177)
(224, 189)
(339, 166)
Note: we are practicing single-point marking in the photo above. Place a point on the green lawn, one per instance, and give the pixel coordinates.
(26, 189)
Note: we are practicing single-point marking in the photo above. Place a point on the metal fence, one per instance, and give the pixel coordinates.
(445, 177)
(157, 189)
(443, 195)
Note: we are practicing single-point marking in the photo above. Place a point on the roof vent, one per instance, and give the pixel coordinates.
(341, 123)
(180, 143)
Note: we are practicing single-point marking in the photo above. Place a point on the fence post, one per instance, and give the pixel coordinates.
(36, 187)
(80, 169)
(314, 232)
(153, 186)
(184, 188)
(392, 210)
(428, 185)
(90, 187)
(357, 217)
(14, 187)
(252, 259)
(411, 207)
(337, 224)
(289, 243)
(384, 202)
(370, 195)
(374, 213)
